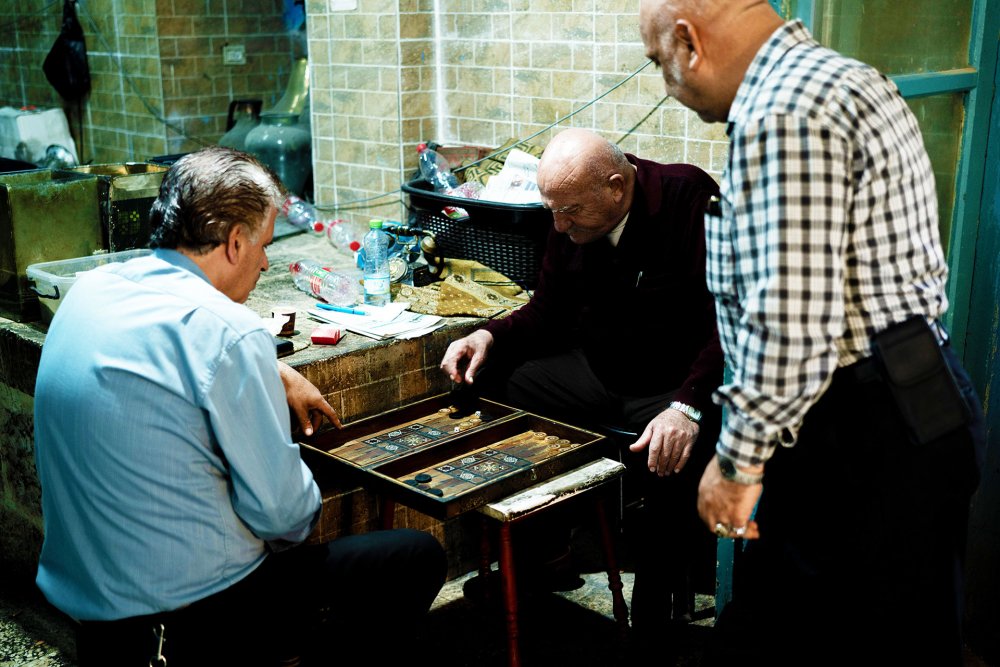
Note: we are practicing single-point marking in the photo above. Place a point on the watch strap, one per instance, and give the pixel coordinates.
(730, 472)
(692, 413)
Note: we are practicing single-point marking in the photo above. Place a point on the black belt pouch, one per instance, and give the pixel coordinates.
(922, 384)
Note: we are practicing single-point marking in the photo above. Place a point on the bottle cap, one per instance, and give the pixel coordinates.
(375, 223)
(421, 146)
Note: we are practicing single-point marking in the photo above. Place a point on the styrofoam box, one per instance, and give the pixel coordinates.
(36, 129)
(52, 280)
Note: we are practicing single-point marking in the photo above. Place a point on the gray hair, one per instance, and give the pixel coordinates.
(206, 193)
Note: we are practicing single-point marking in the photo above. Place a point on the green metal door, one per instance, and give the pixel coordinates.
(983, 362)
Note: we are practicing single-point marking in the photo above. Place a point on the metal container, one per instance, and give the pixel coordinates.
(125, 193)
(45, 215)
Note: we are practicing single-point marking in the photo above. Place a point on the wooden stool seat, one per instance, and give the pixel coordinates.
(539, 498)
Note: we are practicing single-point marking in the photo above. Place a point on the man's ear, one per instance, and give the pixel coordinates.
(617, 185)
(687, 35)
(235, 244)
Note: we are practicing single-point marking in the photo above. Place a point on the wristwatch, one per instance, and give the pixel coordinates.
(729, 471)
(694, 414)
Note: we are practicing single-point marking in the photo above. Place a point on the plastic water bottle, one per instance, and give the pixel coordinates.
(310, 277)
(376, 243)
(302, 214)
(435, 169)
(343, 236)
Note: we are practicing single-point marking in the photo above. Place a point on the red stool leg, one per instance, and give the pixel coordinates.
(388, 513)
(509, 594)
(614, 578)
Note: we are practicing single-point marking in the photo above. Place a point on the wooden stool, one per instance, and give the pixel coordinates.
(534, 500)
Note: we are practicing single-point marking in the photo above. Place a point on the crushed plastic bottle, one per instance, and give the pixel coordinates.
(343, 236)
(312, 278)
(435, 169)
(302, 214)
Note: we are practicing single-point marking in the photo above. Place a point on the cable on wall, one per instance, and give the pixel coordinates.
(357, 203)
(153, 111)
(349, 205)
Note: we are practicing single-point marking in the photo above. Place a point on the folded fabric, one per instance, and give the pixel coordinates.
(458, 296)
(472, 270)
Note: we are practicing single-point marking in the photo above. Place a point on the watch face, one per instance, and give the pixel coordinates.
(730, 472)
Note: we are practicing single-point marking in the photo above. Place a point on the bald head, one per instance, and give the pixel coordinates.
(704, 47)
(586, 182)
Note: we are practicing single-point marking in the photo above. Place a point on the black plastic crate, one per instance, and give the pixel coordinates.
(509, 238)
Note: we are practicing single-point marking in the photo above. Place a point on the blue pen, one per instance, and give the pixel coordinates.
(340, 309)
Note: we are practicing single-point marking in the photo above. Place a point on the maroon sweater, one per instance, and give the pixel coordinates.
(640, 311)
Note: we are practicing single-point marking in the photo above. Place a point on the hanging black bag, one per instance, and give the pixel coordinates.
(66, 65)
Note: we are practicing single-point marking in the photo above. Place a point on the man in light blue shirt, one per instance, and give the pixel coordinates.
(171, 489)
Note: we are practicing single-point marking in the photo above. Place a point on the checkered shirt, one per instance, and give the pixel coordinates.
(826, 233)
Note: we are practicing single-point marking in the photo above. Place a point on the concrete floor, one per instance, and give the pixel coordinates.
(576, 627)
(565, 628)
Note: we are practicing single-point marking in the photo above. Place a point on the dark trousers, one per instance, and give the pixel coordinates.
(671, 544)
(862, 536)
(321, 604)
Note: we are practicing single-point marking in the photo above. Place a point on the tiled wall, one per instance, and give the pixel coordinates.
(126, 78)
(25, 38)
(384, 76)
(371, 92)
(388, 75)
(197, 86)
(120, 37)
(158, 82)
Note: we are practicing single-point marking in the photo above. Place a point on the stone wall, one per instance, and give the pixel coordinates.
(389, 75)
(20, 494)
(159, 84)
(124, 70)
(197, 86)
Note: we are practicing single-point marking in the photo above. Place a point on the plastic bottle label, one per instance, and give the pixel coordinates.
(377, 285)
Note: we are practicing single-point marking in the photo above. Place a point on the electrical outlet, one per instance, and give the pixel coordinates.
(234, 54)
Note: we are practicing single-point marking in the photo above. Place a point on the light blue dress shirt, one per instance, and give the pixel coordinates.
(162, 441)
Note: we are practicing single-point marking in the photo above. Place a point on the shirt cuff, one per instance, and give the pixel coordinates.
(742, 442)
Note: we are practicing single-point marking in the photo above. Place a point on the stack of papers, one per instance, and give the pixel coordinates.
(381, 322)
(517, 182)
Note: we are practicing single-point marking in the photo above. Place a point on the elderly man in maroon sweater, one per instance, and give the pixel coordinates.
(620, 331)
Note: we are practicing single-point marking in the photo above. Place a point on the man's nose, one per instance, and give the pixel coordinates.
(562, 222)
(266, 264)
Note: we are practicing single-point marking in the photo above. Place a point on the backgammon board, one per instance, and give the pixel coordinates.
(447, 455)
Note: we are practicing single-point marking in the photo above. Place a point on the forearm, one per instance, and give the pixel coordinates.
(272, 489)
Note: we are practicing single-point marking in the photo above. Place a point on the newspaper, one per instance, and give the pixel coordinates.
(380, 323)
(517, 182)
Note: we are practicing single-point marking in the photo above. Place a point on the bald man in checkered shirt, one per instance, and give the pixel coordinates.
(825, 234)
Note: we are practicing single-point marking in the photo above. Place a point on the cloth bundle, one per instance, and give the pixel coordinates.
(468, 289)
